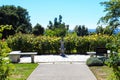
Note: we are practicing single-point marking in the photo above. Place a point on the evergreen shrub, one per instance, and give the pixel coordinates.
(94, 61)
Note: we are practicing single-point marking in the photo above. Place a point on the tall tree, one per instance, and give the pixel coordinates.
(60, 19)
(18, 17)
(112, 17)
(56, 23)
(59, 27)
(81, 30)
(99, 29)
(38, 30)
(50, 26)
(107, 30)
(24, 19)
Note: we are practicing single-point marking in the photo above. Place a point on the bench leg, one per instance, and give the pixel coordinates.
(96, 55)
(14, 58)
(32, 58)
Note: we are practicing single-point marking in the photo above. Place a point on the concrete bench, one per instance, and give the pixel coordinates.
(15, 56)
(99, 52)
(91, 53)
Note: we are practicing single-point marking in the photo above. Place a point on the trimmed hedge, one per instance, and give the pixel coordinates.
(31, 43)
(51, 45)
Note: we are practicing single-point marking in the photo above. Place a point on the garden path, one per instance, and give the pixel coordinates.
(62, 71)
(55, 67)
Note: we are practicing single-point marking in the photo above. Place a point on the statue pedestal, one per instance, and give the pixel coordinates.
(63, 55)
(62, 52)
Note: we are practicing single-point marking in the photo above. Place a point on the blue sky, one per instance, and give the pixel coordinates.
(74, 12)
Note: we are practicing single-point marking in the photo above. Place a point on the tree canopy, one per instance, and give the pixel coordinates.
(18, 17)
(57, 28)
(38, 30)
(112, 17)
(81, 30)
(107, 30)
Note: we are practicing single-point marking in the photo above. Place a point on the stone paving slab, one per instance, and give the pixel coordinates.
(62, 72)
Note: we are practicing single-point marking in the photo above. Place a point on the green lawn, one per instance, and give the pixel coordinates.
(101, 72)
(22, 71)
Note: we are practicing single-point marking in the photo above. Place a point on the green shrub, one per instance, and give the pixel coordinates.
(119, 59)
(98, 40)
(119, 62)
(69, 44)
(22, 42)
(5, 65)
(114, 59)
(51, 45)
(82, 45)
(30, 43)
(94, 61)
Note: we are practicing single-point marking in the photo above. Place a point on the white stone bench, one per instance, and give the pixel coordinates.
(94, 53)
(15, 56)
(91, 53)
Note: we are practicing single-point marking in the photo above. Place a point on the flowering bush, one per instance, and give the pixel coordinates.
(30, 43)
(51, 45)
(70, 44)
(21, 42)
(5, 66)
(82, 45)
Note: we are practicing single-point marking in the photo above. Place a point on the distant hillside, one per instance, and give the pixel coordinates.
(94, 30)
(91, 30)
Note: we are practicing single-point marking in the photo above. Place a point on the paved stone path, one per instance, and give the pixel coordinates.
(55, 67)
(63, 71)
